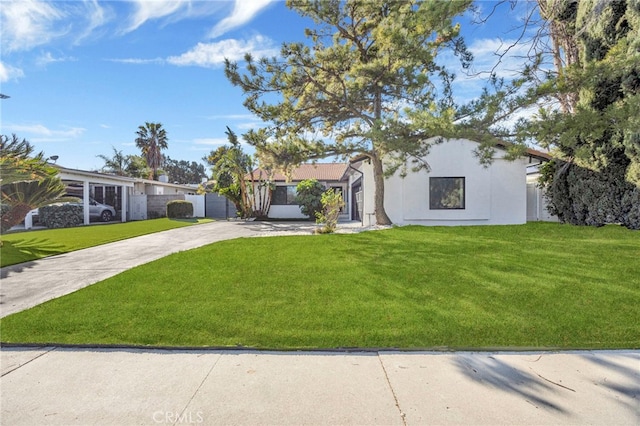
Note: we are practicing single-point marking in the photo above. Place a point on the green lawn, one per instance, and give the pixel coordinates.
(533, 286)
(25, 246)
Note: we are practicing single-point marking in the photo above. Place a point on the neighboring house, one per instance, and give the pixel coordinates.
(457, 190)
(283, 204)
(138, 198)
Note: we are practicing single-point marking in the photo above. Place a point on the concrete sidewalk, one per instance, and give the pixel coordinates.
(150, 387)
(28, 284)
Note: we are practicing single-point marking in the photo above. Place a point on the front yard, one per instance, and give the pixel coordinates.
(533, 286)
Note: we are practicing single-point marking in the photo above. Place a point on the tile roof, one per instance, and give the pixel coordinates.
(319, 171)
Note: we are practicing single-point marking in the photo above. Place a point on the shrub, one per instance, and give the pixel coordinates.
(332, 203)
(61, 215)
(308, 196)
(179, 209)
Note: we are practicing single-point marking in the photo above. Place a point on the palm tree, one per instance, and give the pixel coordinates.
(21, 197)
(116, 164)
(19, 163)
(230, 169)
(151, 140)
(27, 181)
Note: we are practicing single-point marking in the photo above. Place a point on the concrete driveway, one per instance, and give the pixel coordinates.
(28, 284)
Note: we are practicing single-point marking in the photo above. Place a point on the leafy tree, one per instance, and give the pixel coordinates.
(125, 165)
(584, 81)
(309, 197)
(230, 167)
(28, 181)
(184, 172)
(116, 164)
(595, 131)
(151, 140)
(367, 83)
(136, 167)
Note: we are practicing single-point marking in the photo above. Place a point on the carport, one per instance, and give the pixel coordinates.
(86, 179)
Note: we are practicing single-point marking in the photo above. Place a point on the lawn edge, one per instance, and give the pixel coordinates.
(240, 348)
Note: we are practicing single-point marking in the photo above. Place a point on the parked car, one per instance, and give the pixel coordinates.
(103, 212)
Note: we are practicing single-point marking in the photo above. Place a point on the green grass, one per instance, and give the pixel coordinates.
(534, 286)
(26, 246)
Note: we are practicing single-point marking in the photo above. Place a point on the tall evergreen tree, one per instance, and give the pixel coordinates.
(595, 131)
(366, 83)
(184, 172)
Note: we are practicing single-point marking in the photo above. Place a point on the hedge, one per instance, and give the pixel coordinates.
(179, 209)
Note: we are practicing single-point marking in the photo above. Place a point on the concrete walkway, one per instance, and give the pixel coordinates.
(149, 387)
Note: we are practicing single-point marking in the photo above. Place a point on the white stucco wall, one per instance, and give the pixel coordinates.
(493, 195)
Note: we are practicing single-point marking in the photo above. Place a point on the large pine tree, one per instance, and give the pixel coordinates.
(366, 82)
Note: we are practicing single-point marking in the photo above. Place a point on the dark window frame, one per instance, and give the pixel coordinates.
(289, 196)
(438, 189)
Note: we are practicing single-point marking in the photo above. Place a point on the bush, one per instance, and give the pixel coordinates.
(179, 209)
(308, 196)
(332, 203)
(582, 196)
(61, 215)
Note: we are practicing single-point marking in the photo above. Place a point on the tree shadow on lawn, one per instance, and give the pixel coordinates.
(16, 252)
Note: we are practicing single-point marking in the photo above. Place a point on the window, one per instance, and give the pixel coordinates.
(446, 193)
(283, 196)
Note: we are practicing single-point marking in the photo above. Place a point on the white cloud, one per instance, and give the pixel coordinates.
(96, 16)
(243, 12)
(7, 72)
(47, 58)
(147, 10)
(211, 55)
(28, 23)
(138, 61)
(45, 134)
(170, 11)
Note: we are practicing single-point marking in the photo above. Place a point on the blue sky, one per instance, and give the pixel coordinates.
(83, 75)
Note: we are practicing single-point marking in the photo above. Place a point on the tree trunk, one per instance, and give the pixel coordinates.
(378, 171)
(378, 179)
(14, 216)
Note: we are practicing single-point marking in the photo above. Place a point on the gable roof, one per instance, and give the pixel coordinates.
(319, 171)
